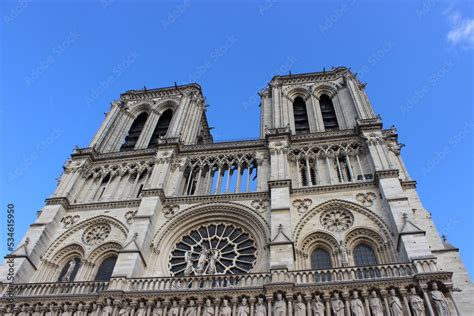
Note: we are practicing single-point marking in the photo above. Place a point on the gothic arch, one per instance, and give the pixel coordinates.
(68, 252)
(168, 104)
(83, 225)
(325, 88)
(313, 240)
(139, 109)
(298, 91)
(232, 213)
(336, 203)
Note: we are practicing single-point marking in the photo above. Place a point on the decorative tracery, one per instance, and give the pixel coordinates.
(214, 249)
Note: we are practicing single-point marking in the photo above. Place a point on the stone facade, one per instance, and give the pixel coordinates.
(317, 217)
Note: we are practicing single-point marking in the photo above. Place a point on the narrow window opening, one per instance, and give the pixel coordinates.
(364, 255)
(328, 113)
(104, 273)
(320, 259)
(134, 132)
(161, 128)
(300, 116)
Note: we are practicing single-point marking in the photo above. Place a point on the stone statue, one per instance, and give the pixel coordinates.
(157, 311)
(208, 309)
(211, 268)
(337, 305)
(107, 309)
(174, 309)
(125, 310)
(201, 261)
(68, 309)
(191, 309)
(416, 303)
(70, 269)
(375, 304)
(343, 254)
(80, 310)
(23, 311)
(37, 310)
(357, 308)
(141, 311)
(280, 306)
(189, 269)
(225, 309)
(9, 311)
(440, 301)
(260, 308)
(318, 306)
(300, 306)
(244, 309)
(395, 305)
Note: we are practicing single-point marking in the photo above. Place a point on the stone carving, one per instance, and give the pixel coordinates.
(357, 308)
(280, 306)
(68, 221)
(302, 205)
(125, 310)
(395, 304)
(157, 311)
(96, 234)
(366, 199)
(141, 311)
(440, 301)
(130, 215)
(69, 271)
(244, 309)
(225, 309)
(260, 308)
(208, 309)
(260, 205)
(337, 305)
(375, 304)
(416, 303)
(343, 254)
(174, 309)
(318, 306)
(107, 309)
(300, 306)
(37, 310)
(170, 209)
(193, 254)
(337, 220)
(191, 309)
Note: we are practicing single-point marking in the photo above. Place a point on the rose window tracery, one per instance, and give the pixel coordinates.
(96, 234)
(213, 249)
(337, 220)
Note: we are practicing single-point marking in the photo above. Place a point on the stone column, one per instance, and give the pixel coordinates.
(346, 303)
(216, 308)
(405, 302)
(166, 304)
(290, 304)
(199, 307)
(269, 305)
(252, 306)
(181, 307)
(149, 305)
(308, 305)
(385, 301)
(426, 297)
(327, 300)
(365, 295)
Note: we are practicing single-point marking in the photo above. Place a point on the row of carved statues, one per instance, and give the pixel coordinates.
(348, 304)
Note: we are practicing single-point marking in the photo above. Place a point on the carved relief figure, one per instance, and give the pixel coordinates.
(395, 305)
(244, 309)
(318, 306)
(208, 309)
(280, 306)
(225, 309)
(37, 310)
(157, 311)
(141, 311)
(70, 269)
(191, 309)
(201, 261)
(108, 309)
(375, 304)
(125, 310)
(189, 269)
(357, 308)
(416, 303)
(337, 305)
(300, 306)
(23, 311)
(174, 309)
(440, 301)
(343, 254)
(211, 268)
(260, 308)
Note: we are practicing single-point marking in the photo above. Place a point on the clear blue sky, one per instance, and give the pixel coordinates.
(62, 65)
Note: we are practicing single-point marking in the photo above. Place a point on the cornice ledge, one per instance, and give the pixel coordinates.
(369, 124)
(439, 275)
(325, 135)
(111, 204)
(408, 184)
(396, 198)
(154, 192)
(95, 156)
(215, 198)
(274, 184)
(63, 201)
(333, 187)
(253, 143)
(387, 173)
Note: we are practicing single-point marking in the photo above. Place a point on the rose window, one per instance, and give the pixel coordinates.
(337, 220)
(214, 249)
(96, 234)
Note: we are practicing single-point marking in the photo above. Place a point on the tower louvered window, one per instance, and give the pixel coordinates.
(301, 116)
(328, 113)
(161, 128)
(134, 132)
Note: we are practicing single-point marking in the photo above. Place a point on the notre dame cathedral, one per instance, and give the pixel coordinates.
(316, 217)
